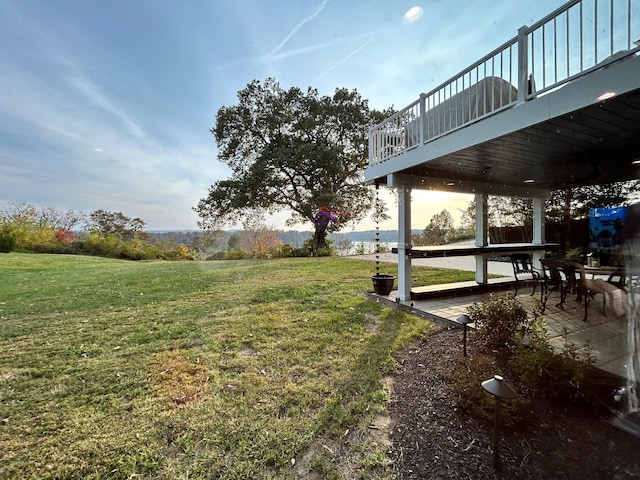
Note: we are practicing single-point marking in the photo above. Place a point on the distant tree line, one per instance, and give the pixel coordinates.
(27, 228)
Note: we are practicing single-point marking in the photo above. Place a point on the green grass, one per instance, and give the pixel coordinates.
(116, 369)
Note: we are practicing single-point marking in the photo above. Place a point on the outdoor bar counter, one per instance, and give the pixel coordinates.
(467, 250)
(482, 282)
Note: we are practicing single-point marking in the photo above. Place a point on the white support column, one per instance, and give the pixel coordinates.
(538, 221)
(481, 236)
(404, 243)
(538, 229)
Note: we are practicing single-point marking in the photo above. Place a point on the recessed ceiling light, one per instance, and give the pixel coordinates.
(450, 184)
(606, 95)
(636, 162)
(529, 180)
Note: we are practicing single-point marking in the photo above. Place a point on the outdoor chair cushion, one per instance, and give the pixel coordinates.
(587, 288)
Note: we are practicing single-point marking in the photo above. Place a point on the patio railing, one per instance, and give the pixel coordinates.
(577, 38)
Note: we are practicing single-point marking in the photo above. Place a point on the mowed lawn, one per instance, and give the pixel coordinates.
(236, 369)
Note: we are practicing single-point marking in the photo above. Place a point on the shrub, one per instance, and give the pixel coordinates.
(499, 320)
(229, 254)
(565, 374)
(574, 254)
(109, 245)
(180, 252)
(286, 250)
(324, 252)
(136, 249)
(64, 236)
(7, 240)
(466, 376)
(300, 252)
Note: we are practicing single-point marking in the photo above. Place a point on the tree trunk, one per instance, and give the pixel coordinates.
(566, 220)
(319, 237)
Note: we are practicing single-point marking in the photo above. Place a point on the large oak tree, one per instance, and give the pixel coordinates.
(294, 151)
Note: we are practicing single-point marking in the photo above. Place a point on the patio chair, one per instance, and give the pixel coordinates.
(524, 271)
(554, 279)
(612, 288)
(618, 279)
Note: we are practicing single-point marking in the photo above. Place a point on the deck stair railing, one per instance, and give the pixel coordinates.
(577, 38)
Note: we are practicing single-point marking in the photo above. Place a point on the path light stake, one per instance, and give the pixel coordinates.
(464, 320)
(497, 387)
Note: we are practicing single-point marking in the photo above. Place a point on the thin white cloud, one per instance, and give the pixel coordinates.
(54, 50)
(303, 50)
(94, 94)
(345, 59)
(295, 29)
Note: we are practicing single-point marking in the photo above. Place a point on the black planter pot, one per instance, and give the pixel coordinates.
(383, 284)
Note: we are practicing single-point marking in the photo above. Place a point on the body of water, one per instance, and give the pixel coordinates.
(364, 248)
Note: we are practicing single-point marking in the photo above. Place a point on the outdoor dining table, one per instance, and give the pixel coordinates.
(602, 270)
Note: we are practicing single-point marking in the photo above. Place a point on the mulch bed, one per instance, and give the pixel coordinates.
(432, 439)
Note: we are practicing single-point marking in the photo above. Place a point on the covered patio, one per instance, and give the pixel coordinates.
(555, 107)
(606, 334)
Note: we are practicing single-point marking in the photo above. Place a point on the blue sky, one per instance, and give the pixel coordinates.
(108, 104)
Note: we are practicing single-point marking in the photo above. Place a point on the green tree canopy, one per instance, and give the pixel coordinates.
(292, 151)
(20, 212)
(575, 203)
(562, 206)
(116, 223)
(439, 228)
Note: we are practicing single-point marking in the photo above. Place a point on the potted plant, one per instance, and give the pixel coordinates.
(382, 283)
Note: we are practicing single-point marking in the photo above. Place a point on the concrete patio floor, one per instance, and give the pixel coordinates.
(606, 335)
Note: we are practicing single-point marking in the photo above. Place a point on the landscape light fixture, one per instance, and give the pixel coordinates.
(464, 320)
(497, 387)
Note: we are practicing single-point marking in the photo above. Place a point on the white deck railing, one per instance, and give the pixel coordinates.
(579, 37)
